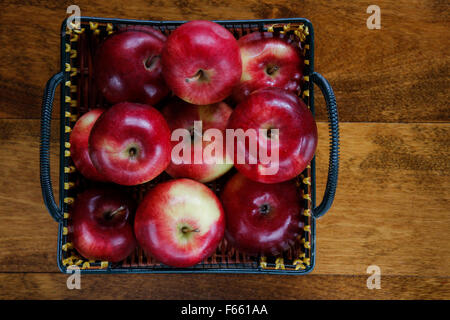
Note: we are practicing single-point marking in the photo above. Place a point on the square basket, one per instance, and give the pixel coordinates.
(78, 95)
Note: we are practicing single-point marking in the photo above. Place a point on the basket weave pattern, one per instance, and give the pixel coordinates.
(81, 95)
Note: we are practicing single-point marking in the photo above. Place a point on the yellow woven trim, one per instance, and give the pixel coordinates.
(73, 53)
(68, 185)
(68, 83)
(270, 28)
(67, 153)
(67, 145)
(302, 32)
(286, 28)
(73, 118)
(72, 26)
(307, 46)
(86, 265)
(307, 261)
(78, 262)
(67, 246)
(69, 169)
(308, 166)
(74, 72)
(263, 262)
(67, 114)
(306, 78)
(279, 263)
(68, 68)
(73, 88)
(68, 200)
(307, 228)
(93, 25)
(67, 47)
(109, 28)
(65, 231)
(74, 38)
(298, 264)
(66, 215)
(306, 196)
(67, 129)
(307, 62)
(68, 99)
(73, 103)
(307, 245)
(306, 93)
(104, 264)
(307, 180)
(79, 31)
(68, 261)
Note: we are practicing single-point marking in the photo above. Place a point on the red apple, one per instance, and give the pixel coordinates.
(101, 225)
(130, 143)
(261, 218)
(268, 60)
(289, 150)
(79, 149)
(201, 62)
(127, 66)
(181, 115)
(180, 222)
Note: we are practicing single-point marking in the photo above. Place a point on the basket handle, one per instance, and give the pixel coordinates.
(333, 165)
(44, 151)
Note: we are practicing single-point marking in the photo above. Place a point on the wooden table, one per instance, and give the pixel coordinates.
(392, 207)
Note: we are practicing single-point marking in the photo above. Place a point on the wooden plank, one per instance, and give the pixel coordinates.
(397, 74)
(226, 287)
(29, 234)
(391, 208)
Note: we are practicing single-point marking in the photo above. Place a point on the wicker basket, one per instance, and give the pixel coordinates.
(78, 95)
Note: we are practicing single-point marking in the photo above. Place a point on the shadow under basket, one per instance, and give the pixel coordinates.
(78, 95)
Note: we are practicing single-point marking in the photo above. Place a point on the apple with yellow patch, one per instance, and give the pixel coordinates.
(130, 143)
(195, 157)
(79, 145)
(268, 60)
(180, 222)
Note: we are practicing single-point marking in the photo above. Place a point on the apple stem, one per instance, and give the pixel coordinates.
(272, 69)
(187, 229)
(264, 209)
(151, 61)
(111, 214)
(198, 76)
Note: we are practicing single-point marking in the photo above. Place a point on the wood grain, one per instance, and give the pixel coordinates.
(391, 209)
(227, 287)
(397, 74)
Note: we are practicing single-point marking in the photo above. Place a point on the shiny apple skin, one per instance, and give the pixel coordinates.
(253, 232)
(96, 237)
(119, 66)
(169, 207)
(181, 114)
(276, 108)
(122, 129)
(207, 46)
(261, 53)
(79, 145)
